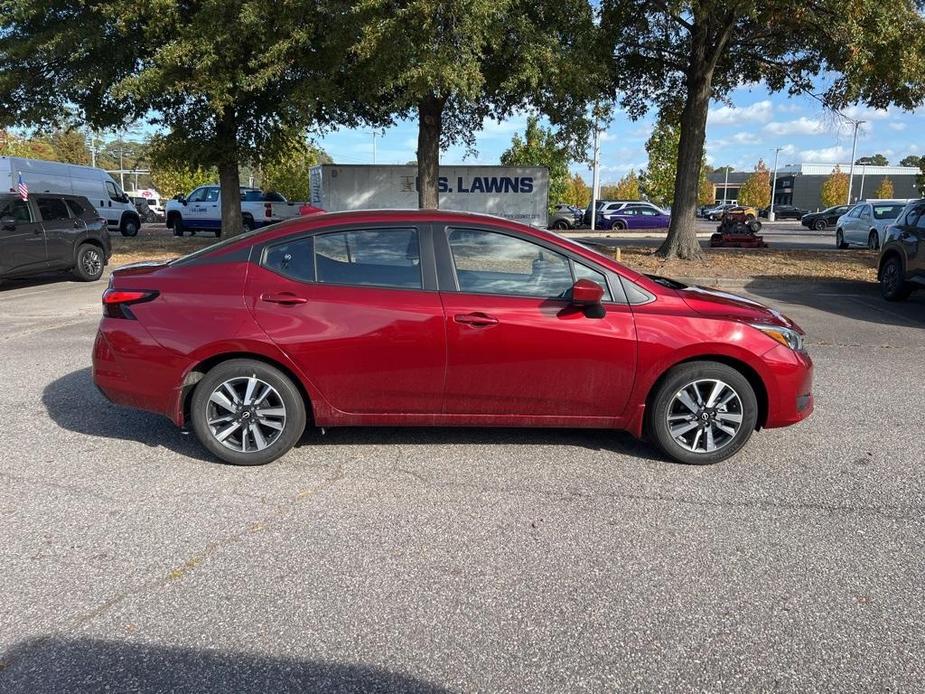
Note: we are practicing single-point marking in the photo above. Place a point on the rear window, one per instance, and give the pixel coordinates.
(374, 257)
(52, 209)
(887, 211)
(78, 207)
(17, 209)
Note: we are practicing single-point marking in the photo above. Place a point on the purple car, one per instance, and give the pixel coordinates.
(640, 216)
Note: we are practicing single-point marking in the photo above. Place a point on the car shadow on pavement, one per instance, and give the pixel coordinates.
(37, 281)
(64, 665)
(847, 298)
(74, 403)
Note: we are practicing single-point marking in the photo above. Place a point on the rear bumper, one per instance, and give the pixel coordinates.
(789, 386)
(130, 369)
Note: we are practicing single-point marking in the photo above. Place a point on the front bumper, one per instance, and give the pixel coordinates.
(790, 386)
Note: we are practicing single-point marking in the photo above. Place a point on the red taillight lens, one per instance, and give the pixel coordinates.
(117, 301)
(268, 209)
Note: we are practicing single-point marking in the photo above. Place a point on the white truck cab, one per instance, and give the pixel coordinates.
(201, 210)
(96, 185)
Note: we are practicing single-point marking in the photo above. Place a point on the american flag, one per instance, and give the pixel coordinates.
(22, 188)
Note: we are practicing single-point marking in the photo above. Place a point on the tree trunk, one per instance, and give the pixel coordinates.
(229, 177)
(682, 232)
(430, 122)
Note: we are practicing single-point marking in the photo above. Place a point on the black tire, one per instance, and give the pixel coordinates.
(560, 224)
(819, 225)
(177, 221)
(873, 241)
(129, 225)
(892, 285)
(684, 376)
(840, 240)
(247, 223)
(619, 226)
(288, 395)
(89, 263)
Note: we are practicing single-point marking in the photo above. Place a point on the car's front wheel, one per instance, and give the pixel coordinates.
(840, 240)
(819, 225)
(892, 285)
(703, 412)
(247, 412)
(873, 241)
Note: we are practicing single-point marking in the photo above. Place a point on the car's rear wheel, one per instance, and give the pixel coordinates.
(90, 263)
(560, 224)
(892, 285)
(702, 413)
(129, 226)
(619, 225)
(177, 225)
(247, 412)
(840, 240)
(819, 225)
(873, 241)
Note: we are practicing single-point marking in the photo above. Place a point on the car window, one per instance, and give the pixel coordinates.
(212, 194)
(855, 212)
(489, 262)
(76, 207)
(17, 209)
(648, 211)
(52, 209)
(375, 257)
(293, 259)
(112, 191)
(916, 217)
(586, 273)
(887, 211)
(197, 195)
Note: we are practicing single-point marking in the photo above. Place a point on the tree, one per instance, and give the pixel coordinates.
(876, 160)
(835, 188)
(913, 160)
(540, 147)
(885, 189)
(577, 192)
(228, 80)
(756, 191)
(658, 181)
(171, 181)
(69, 146)
(682, 54)
(627, 188)
(13, 146)
(451, 64)
(706, 194)
(289, 173)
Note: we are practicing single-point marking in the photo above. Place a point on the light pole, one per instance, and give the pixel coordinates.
(863, 173)
(595, 173)
(773, 185)
(854, 152)
(726, 184)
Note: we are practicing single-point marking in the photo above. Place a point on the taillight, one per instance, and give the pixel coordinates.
(116, 302)
(268, 209)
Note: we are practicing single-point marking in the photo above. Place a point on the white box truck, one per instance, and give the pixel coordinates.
(516, 193)
(96, 185)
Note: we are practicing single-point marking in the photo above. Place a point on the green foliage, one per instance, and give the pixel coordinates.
(835, 188)
(885, 189)
(627, 188)
(913, 160)
(706, 194)
(69, 146)
(539, 147)
(577, 192)
(14, 146)
(756, 191)
(171, 180)
(288, 173)
(658, 181)
(876, 160)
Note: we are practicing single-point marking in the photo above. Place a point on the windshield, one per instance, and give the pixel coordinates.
(887, 211)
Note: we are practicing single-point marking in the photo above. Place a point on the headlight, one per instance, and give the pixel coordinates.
(786, 336)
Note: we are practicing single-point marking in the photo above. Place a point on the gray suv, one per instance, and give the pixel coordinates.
(51, 232)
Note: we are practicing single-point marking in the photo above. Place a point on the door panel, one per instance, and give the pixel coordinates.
(61, 230)
(22, 248)
(368, 349)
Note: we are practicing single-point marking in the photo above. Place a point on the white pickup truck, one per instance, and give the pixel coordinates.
(201, 210)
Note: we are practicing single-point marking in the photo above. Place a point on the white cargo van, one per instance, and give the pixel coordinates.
(94, 184)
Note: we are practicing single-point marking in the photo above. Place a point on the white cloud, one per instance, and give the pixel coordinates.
(758, 112)
(506, 128)
(746, 138)
(898, 126)
(866, 113)
(828, 155)
(800, 126)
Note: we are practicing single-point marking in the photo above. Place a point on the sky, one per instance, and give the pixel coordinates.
(749, 128)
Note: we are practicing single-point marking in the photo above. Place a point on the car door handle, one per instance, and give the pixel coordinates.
(476, 320)
(284, 298)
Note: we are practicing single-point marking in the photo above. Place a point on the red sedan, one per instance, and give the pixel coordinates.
(428, 318)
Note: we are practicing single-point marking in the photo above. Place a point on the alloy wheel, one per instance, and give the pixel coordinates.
(92, 262)
(246, 414)
(705, 416)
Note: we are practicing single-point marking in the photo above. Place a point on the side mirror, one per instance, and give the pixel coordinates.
(586, 293)
(8, 223)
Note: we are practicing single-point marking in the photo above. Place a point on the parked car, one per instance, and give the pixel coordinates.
(145, 212)
(437, 318)
(901, 269)
(823, 219)
(638, 216)
(603, 208)
(747, 212)
(865, 224)
(97, 186)
(783, 212)
(714, 214)
(201, 210)
(52, 232)
(565, 217)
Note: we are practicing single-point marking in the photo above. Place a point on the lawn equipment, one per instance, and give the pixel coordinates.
(738, 229)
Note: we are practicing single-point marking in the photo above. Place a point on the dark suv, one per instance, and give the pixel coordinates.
(51, 232)
(902, 256)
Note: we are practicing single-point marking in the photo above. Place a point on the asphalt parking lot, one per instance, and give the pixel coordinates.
(464, 560)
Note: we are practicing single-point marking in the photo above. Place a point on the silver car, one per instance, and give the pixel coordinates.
(865, 224)
(565, 217)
